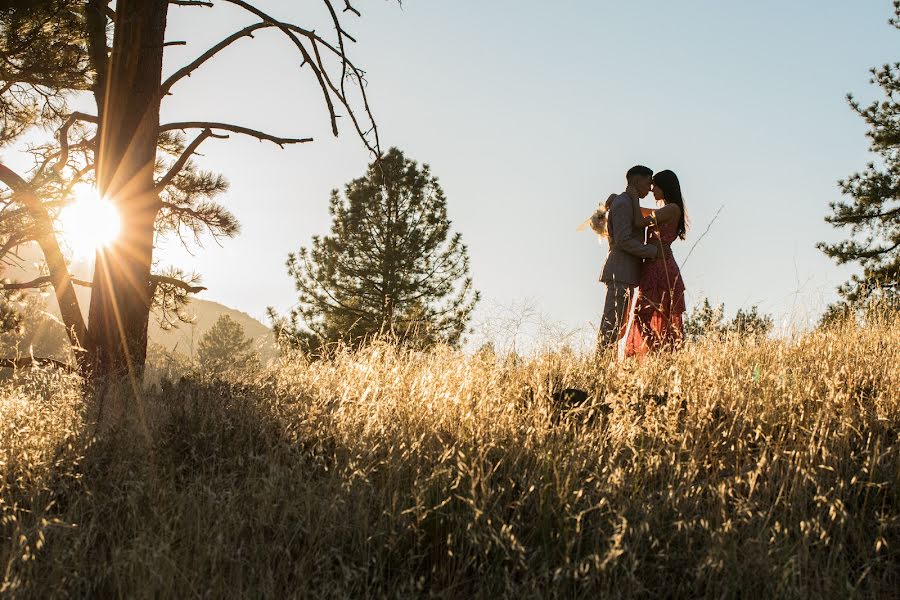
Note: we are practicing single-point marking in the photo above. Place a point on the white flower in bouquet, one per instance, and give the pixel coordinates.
(597, 221)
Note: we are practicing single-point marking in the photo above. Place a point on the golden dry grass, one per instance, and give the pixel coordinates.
(735, 468)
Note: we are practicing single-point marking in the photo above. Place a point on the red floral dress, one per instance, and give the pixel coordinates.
(658, 310)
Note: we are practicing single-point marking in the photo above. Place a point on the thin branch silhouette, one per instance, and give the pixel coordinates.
(716, 216)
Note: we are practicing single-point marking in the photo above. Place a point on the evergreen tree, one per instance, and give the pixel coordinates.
(390, 265)
(704, 320)
(873, 210)
(708, 320)
(224, 347)
(751, 323)
(44, 56)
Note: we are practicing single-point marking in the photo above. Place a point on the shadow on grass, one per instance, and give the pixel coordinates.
(220, 489)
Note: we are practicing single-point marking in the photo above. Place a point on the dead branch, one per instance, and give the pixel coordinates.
(39, 283)
(356, 72)
(340, 36)
(337, 26)
(306, 57)
(234, 129)
(348, 8)
(326, 84)
(193, 66)
(190, 3)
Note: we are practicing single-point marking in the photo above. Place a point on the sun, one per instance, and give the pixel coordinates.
(89, 223)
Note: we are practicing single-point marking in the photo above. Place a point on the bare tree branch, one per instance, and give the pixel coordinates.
(190, 3)
(337, 26)
(39, 283)
(306, 57)
(357, 73)
(348, 8)
(234, 129)
(193, 66)
(326, 84)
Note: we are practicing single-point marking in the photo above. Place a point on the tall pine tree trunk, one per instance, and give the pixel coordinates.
(122, 293)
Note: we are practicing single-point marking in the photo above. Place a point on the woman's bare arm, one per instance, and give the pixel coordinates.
(644, 217)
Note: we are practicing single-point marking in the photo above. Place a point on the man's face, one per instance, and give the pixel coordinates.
(642, 186)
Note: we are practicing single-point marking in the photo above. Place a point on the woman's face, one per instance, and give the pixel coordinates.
(658, 193)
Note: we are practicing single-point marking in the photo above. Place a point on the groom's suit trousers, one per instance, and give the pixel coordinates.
(615, 314)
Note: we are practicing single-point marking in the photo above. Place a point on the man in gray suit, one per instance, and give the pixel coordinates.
(622, 271)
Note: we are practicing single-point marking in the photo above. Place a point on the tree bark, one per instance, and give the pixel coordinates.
(56, 262)
(122, 291)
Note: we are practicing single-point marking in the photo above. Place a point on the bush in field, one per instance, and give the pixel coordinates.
(224, 347)
(163, 363)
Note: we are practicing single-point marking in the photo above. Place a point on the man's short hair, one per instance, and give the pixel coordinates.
(639, 171)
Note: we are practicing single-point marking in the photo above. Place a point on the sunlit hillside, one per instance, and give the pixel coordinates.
(183, 338)
(736, 468)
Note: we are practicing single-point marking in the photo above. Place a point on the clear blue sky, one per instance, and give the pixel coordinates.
(531, 112)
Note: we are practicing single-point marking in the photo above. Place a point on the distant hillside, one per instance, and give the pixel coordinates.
(185, 337)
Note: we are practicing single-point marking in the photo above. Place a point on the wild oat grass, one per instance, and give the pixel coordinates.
(735, 468)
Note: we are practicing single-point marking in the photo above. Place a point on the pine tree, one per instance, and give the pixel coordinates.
(751, 322)
(390, 265)
(873, 210)
(223, 347)
(706, 320)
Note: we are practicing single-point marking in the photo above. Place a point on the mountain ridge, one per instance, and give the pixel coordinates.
(183, 338)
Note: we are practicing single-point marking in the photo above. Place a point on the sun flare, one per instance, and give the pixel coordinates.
(89, 223)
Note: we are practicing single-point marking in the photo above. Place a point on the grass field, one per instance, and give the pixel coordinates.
(733, 469)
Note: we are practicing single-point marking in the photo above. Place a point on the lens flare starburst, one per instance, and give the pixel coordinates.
(89, 223)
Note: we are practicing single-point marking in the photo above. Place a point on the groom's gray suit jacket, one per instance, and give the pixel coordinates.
(626, 246)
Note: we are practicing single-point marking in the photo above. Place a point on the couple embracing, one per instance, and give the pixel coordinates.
(643, 264)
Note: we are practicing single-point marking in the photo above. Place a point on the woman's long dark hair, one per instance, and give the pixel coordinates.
(671, 188)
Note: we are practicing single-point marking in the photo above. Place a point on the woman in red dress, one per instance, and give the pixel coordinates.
(658, 310)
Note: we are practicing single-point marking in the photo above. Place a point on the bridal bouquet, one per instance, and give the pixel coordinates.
(597, 222)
